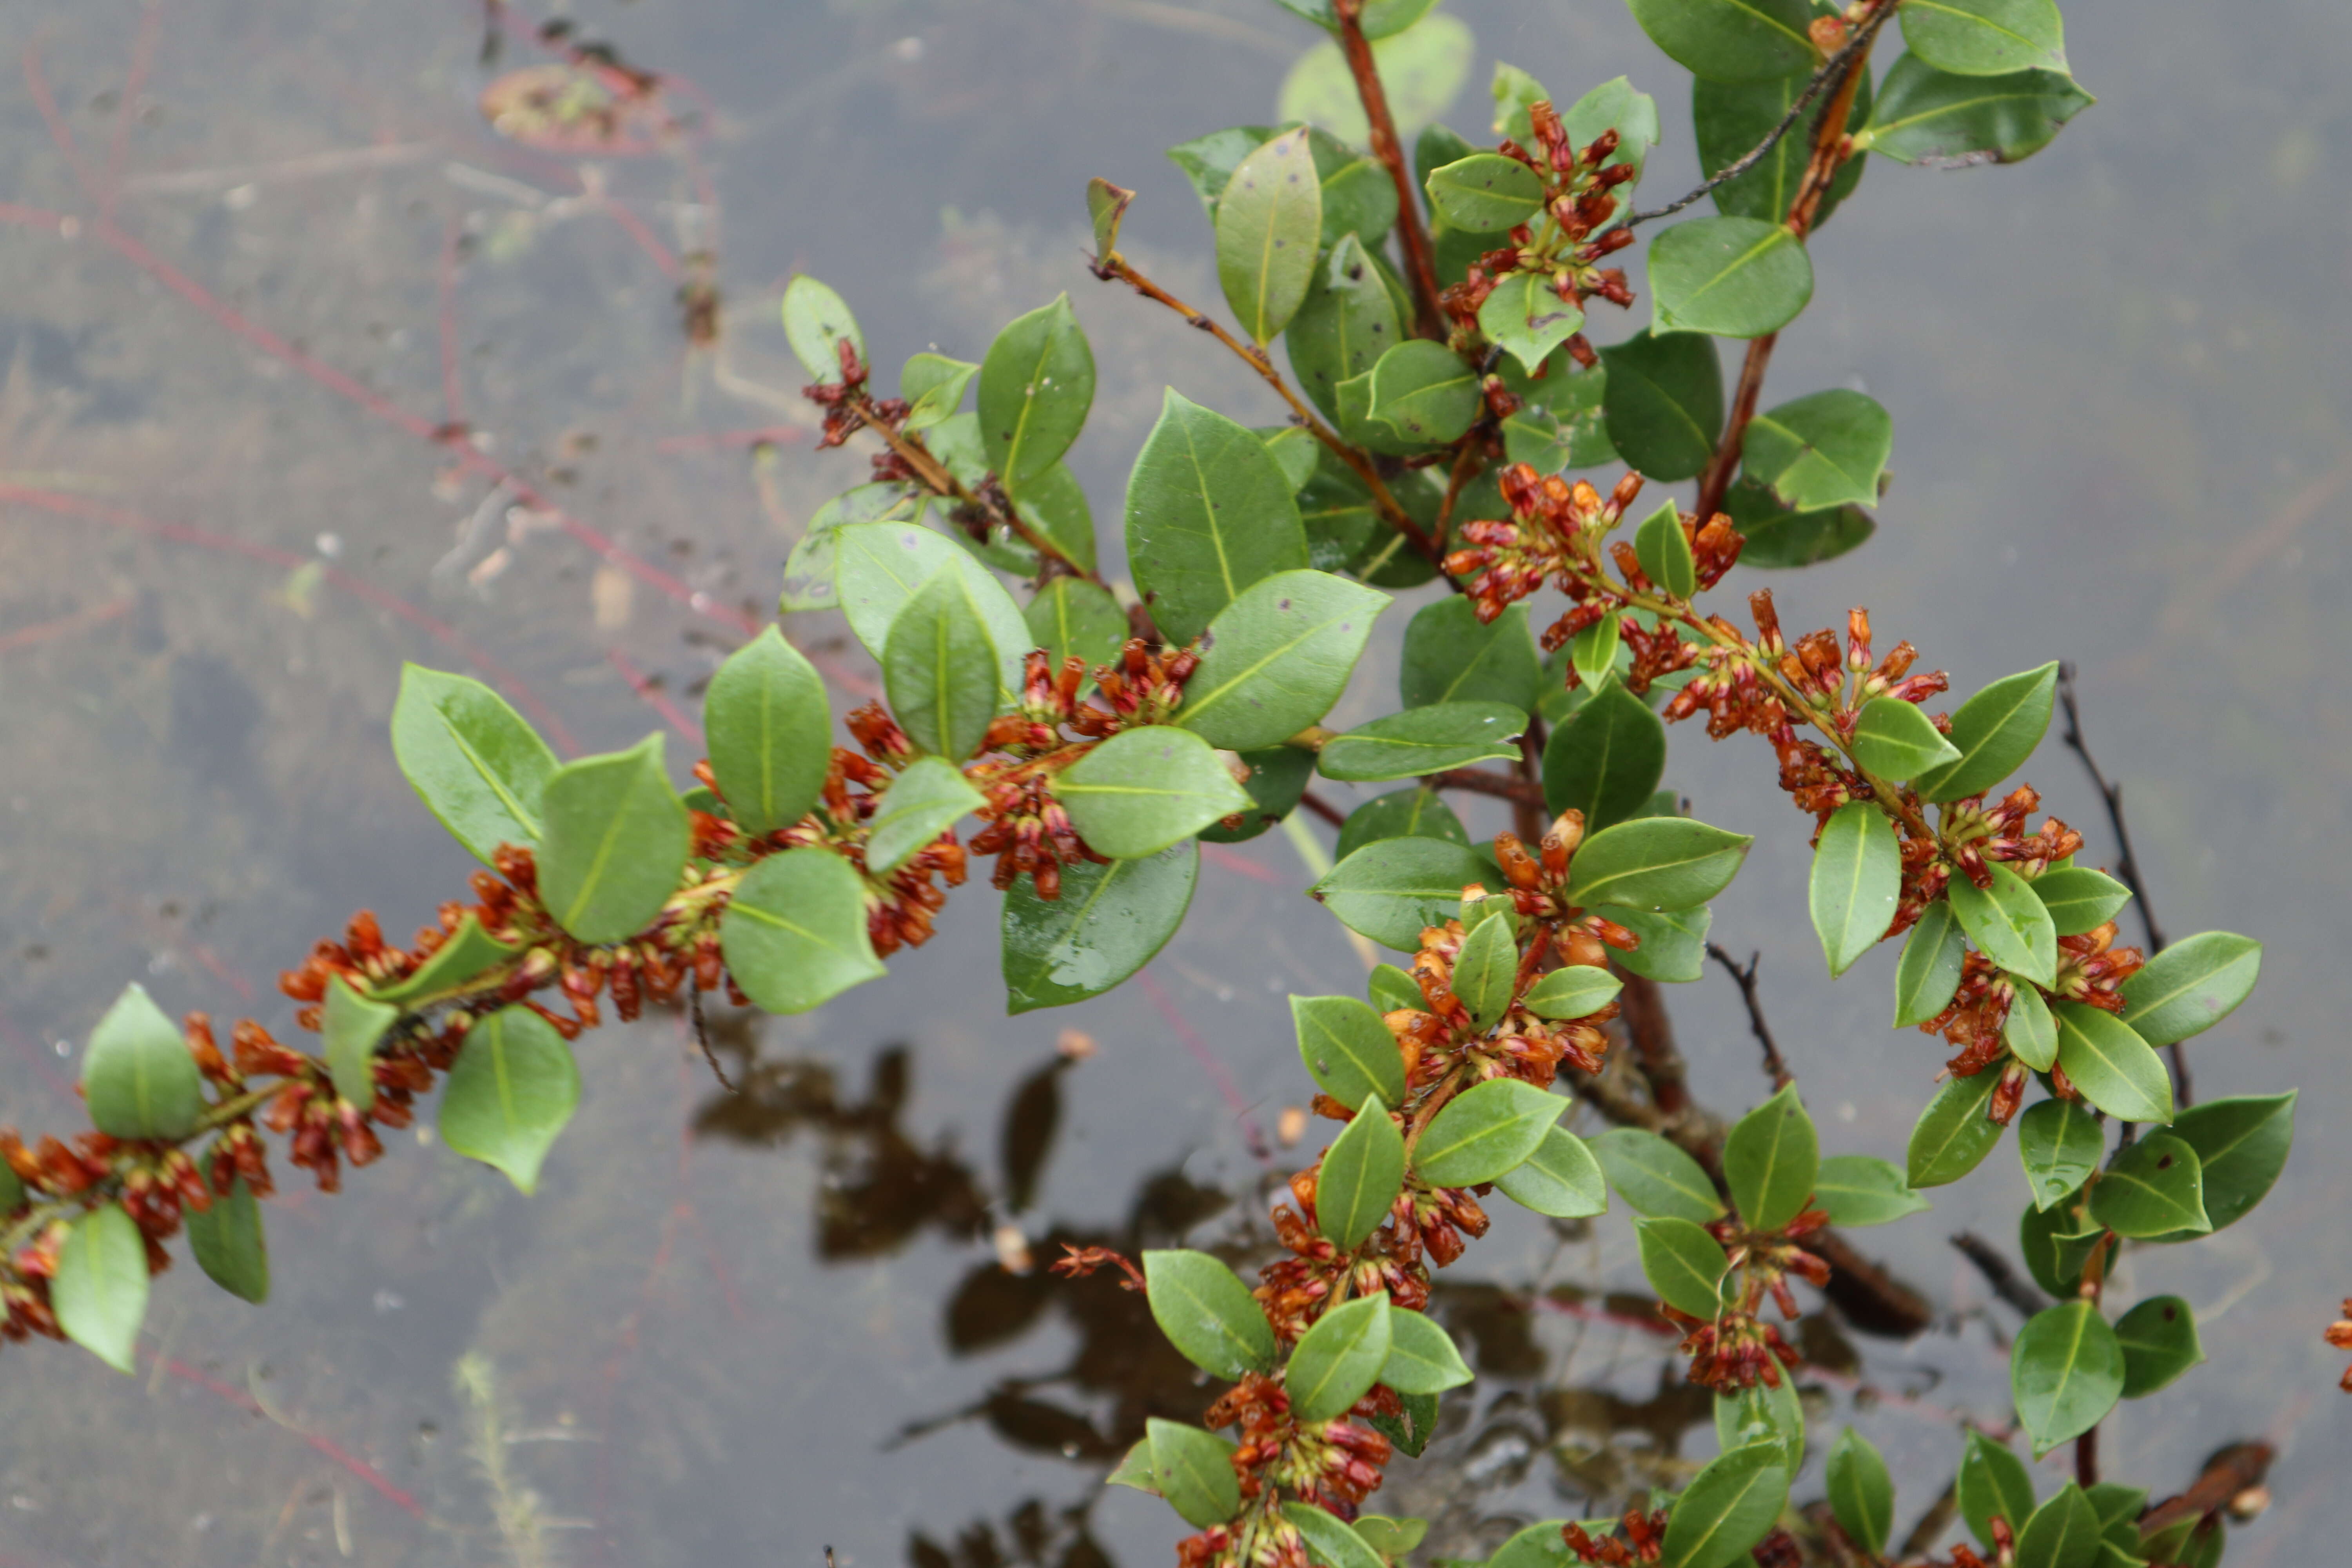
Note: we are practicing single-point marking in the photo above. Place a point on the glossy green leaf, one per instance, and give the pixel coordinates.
(1194, 1470)
(1209, 162)
(229, 1245)
(1656, 863)
(2055, 1244)
(1070, 616)
(1929, 971)
(1664, 552)
(1425, 391)
(1348, 320)
(1894, 739)
(1422, 67)
(1763, 1414)
(1779, 537)
(1577, 991)
(2032, 1031)
(1986, 38)
(137, 1076)
(1108, 923)
(771, 734)
(1995, 732)
(1829, 449)
(2060, 1142)
(1422, 1357)
(1278, 776)
(1361, 1174)
(1593, 653)
(1392, 1538)
(1296, 453)
(468, 955)
(1682, 1263)
(1269, 222)
(2080, 899)
(1561, 1179)
(1673, 942)
(1931, 117)
(2153, 1188)
(1953, 1134)
(1208, 514)
(1770, 1159)
(99, 1290)
(478, 768)
(1389, 989)
(1727, 1508)
(2066, 1372)
(939, 669)
(882, 567)
(1449, 656)
(1606, 760)
(1135, 1471)
(1391, 889)
(1054, 504)
(1728, 277)
(1338, 1359)
(513, 1089)
(1330, 1541)
(2113, 1066)
(1730, 119)
(2159, 1341)
(615, 841)
(919, 804)
(1414, 812)
(1732, 40)
(1106, 207)
(353, 1025)
(1486, 193)
(2241, 1146)
(2008, 923)
(1359, 196)
(2063, 1532)
(794, 934)
(1654, 1177)
(1485, 971)
(1662, 404)
(1349, 1052)
(933, 386)
(1207, 1313)
(2191, 985)
(1857, 876)
(816, 320)
(1861, 1189)
(1144, 789)
(1526, 317)
(1422, 741)
(1277, 656)
(1862, 1492)
(1484, 1131)
(1036, 385)
(1993, 1484)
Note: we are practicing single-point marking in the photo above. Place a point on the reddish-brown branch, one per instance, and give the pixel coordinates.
(2236, 1469)
(1420, 261)
(1503, 786)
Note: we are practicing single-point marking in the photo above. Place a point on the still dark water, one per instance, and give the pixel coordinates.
(732, 1331)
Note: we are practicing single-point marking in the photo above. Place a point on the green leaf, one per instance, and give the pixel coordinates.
(1207, 1313)
(1106, 204)
(1929, 972)
(1484, 1131)
(1391, 889)
(1655, 1177)
(1135, 1471)
(1208, 514)
(815, 321)
(1485, 971)
(794, 934)
(2062, 1533)
(1329, 1540)
(1993, 1484)
(882, 567)
(1732, 118)
(939, 669)
(1423, 68)
(468, 954)
(1862, 1492)
(1728, 1507)
(1422, 741)
(1770, 1159)
(2031, 1032)
(1055, 504)
(2055, 1242)
(1277, 656)
(2155, 1188)
(1732, 40)
(2008, 923)
(1389, 989)
(1526, 315)
(1297, 454)
(1606, 760)
(1986, 38)
(1664, 552)
(99, 1290)
(1422, 1358)
(1778, 537)
(1615, 106)
(1277, 779)
(1995, 732)
(1338, 1359)
(1209, 162)
(1415, 812)
(1144, 789)
(2080, 899)
(1349, 1052)
(1577, 991)
(920, 803)
(1682, 1263)
(1108, 923)
(229, 1245)
(1070, 616)
(1656, 863)
(1269, 222)
(2111, 1065)
(2241, 1146)
(1593, 653)
(1857, 877)
(1927, 116)
(933, 384)
(1425, 391)
(1663, 402)
(350, 1031)
(1763, 1413)
(616, 838)
(2060, 1142)
(1037, 384)
(1673, 942)
(137, 1076)
(770, 733)
(1825, 450)
(2159, 1341)
(1561, 1179)
(2191, 985)
(478, 768)
(1359, 196)
(1486, 193)
(1347, 323)
(1392, 1538)
(1953, 1134)
(1362, 1173)
(1894, 739)
(514, 1086)
(2066, 1372)
(1194, 1471)
(1861, 1189)
(1449, 656)
(1728, 277)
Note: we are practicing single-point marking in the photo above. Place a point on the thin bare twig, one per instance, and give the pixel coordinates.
(1997, 1274)
(1477, 781)
(1775, 1066)
(1323, 808)
(702, 1038)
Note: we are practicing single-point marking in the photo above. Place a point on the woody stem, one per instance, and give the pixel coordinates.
(1420, 265)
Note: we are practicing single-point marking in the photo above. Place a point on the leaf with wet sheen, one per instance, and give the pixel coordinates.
(1684, 1264)
(1391, 889)
(1894, 739)
(99, 1290)
(1655, 1177)
(1606, 760)
(1036, 385)
(617, 840)
(2066, 1372)
(1360, 1175)
(1728, 277)
(1277, 657)
(1144, 789)
(2159, 1341)
(513, 1089)
(2060, 1142)
(1986, 38)
(1861, 1189)
(1425, 741)
(137, 1076)
(1662, 403)
(816, 320)
(1995, 730)
(1348, 1050)
(1194, 1471)
(477, 765)
(2191, 985)
(1953, 1134)
(1561, 1178)
(794, 933)
(2008, 923)
(1338, 1359)
(353, 1025)
(1825, 450)
(2156, 1188)
(1484, 1131)
(1931, 117)
(1656, 863)
(1862, 1492)
(2114, 1068)
(1070, 616)
(2242, 1145)
(1857, 876)
(1108, 923)
(1526, 315)
(1207, 1313)
(771, 734)
(1209, 513)
(1425, 391)
(1928, 973)
(1769, 1159)
(229, 1245)
(1993, 1483)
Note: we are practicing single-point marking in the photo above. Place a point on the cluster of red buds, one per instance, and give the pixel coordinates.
(1771, 1256)
(2091, 970)
(848, 408)
(1553, 523)
(1293, 1292)
(1260, 1539)
(1563, 247)
(1334, 1464)
(1980, 834)
(1736, 1350)
(1642, 1540)
(1442, 1037)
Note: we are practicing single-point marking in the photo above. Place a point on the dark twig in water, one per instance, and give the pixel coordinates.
(1775, 1065)
(2005, 1280)
(702, 1038)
